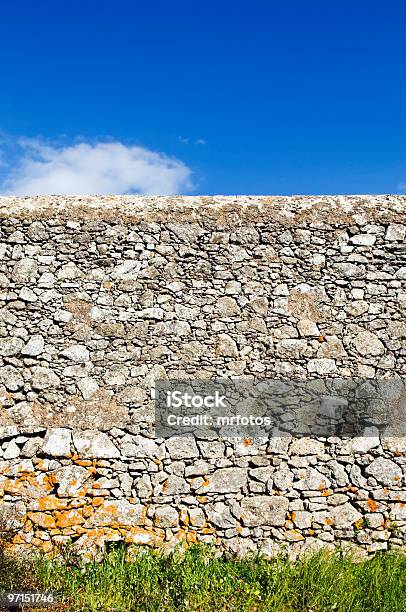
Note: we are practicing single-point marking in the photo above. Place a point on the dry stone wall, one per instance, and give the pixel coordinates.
(100, 297)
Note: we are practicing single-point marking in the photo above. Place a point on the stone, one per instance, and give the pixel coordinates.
(166, 517)
(302, 519)
(226, 480)
(77, 353)
(12, 451)
(27, 295)
(120, 513)
(367, 343)
(87, 386)
(227, 307)
(34, 347)
(10, 346)
(283, 478)
(182, 447)
(385, 471)
(126, 270)
(308, 328)
(226, 346)
(94, 444)
(11, 378)
(25, 270)
(138, 446)
(69, 271)
(44, 378)
(57, 442)
(311, 479)
(321, 366)
(173, 485)
(363, 239)
(306, 446)
(70, 480)
(395, 232)
(220, 515)
(12, 515)
(264, 510)
(345, 515)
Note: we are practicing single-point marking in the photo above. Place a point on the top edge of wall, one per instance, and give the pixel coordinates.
(224, 211)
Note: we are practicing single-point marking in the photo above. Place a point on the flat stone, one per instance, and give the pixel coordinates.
(385, 471)
(367, 343)
(139, 446)
(182, 447)
(94, 444)
(70, 479)
(220, 515)
(77, 353)
(117, 513)
(264, 510)
(10, 346)
(35, 346)
(345, 515)
(225, 480)
(11, 378)
(57, 442)
(44, 378)
(306, 446)
(321, 366)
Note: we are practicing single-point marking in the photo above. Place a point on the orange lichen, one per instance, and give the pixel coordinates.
(372, 505)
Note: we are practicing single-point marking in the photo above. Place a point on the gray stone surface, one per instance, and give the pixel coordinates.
(102, 296)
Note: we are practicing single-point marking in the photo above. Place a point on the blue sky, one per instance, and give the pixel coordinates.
(214, 97)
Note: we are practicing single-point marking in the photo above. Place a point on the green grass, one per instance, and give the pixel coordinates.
(198, 580)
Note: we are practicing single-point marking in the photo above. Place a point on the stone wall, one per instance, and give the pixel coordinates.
(99, 297)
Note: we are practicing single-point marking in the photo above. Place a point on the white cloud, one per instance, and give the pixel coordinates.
(101, 168)
(402, 186)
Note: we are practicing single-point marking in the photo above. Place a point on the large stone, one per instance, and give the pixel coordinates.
(34, 346)
(77, 353)
(139, 446)
(385, 471)
(220, 515)
(367, 343)
(225, 480)
(306, 446)
(345, 515)
(181, 447)
(11, 378)
(44, 378)
(94, 444)
(25, 270)
(264, 510)
(117, 513)
(10, 346)
(70, 479)
(57, 442)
